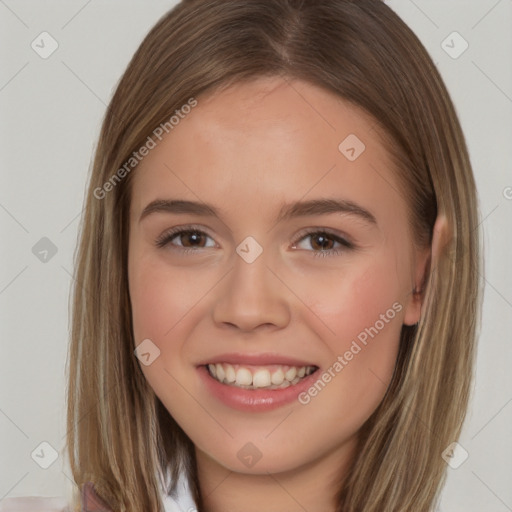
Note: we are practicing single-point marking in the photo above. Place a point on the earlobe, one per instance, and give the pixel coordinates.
(425, 262)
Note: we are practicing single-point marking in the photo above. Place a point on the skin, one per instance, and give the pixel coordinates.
(248, 150)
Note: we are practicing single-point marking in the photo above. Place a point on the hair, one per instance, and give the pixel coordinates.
(119, 435)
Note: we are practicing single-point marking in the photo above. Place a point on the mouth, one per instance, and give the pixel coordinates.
(253, 377)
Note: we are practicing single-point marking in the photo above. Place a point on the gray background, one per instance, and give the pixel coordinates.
(51, 113)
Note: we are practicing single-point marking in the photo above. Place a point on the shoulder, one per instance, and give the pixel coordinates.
(34, 504)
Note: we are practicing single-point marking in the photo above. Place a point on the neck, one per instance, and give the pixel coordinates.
(313, 486)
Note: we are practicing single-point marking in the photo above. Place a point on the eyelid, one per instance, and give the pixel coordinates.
(345, 239)
(338, 236)
(165, 237)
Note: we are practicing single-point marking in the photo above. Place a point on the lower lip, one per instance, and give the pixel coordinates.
(254, 400)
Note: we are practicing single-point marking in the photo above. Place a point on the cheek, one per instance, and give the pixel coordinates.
(160, 298)
(366, 315)
(358, 299)
(162, 302)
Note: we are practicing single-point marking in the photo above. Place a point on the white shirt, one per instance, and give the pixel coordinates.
(182, 503)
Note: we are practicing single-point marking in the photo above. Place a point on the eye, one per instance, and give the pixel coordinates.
(324, 242)
(190, 238)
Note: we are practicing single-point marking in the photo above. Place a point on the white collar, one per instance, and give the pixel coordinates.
(182, 501)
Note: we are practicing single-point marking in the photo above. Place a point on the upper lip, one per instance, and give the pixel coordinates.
(255, 359)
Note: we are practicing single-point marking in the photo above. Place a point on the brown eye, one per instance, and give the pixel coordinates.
(186, 238)
(321, 242)
(190, 238)
(324, 243)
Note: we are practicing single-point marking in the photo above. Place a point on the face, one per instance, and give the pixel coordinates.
(277, 259)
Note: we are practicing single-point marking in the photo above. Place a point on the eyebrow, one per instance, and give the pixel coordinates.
(287, 211)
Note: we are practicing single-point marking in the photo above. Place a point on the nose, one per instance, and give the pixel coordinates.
(252, 296)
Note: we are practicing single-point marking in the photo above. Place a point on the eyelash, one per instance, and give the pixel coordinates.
(166, 238)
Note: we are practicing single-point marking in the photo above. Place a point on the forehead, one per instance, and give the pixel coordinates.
(267, 140)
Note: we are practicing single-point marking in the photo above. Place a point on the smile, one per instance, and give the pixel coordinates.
(259, 377)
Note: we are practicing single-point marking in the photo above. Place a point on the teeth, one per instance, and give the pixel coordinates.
(278, 377)
(291, 373)
(243, 377)
(261, 379)
(220, 374)
(230, 374)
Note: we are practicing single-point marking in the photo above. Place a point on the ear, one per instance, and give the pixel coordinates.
(425, 261)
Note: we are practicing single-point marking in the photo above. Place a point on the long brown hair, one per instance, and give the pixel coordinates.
(120, 437)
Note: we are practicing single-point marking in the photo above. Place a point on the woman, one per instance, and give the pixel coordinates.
(244, 371)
